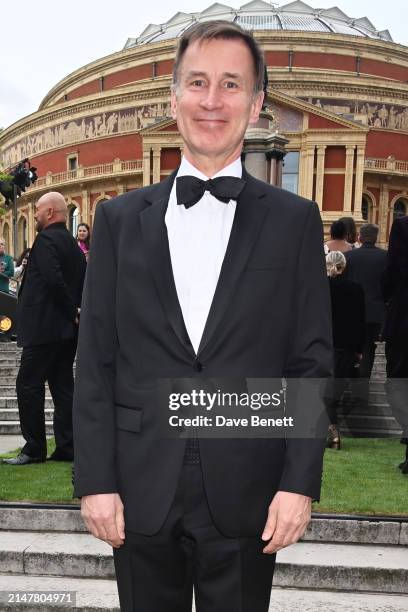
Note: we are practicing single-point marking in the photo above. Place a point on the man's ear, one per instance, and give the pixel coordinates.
(173, 101)
(256, 106)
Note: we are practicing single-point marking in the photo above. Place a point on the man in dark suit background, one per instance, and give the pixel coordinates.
(366, 266)
(192, 279)
(47, 324)
(395, 333)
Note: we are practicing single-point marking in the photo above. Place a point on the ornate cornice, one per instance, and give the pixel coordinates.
(110, 100)
(365, 47)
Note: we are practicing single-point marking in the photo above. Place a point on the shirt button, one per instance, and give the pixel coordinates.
(197, 366)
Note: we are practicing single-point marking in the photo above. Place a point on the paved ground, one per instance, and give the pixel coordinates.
(101, 595)
(9, 442)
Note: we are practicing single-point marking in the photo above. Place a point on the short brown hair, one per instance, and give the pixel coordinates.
(209, 30)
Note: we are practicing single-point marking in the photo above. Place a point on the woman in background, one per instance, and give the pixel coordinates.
(351, 231)
(84, 238)
(348, 319)
(337, 240)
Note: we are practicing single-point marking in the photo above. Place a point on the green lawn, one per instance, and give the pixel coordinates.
(37, 482)
(362, 478)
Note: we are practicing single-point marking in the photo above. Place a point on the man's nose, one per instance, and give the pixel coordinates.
(212, 98)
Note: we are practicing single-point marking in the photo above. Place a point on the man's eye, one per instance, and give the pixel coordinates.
(230, 85)
(197, 83)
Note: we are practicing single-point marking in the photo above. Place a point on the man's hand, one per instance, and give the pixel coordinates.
(289, 515)
(103, 517)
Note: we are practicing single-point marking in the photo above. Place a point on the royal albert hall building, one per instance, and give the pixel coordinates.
(337, 106)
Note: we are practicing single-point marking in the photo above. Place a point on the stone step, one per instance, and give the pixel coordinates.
(306, 565)
(374, 433)
(377, 410)
(10, 401)
(18, 517)
(101, 596)
(86, 595)
(9, 390)
(9, 347)
(11, 414)
(13, 428)
(11, 370)
(369, 422)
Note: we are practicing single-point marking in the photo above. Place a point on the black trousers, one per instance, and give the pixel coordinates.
(157, 573)
(396, 353)
(344, 359)
(53, 363)
(360, 386)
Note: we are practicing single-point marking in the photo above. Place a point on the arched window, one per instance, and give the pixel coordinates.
(73, 219)
(366, 208)
(400, 209)
(6, 236)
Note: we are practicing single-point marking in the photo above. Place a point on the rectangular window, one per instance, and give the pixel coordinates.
(72, 162)
(290, 172)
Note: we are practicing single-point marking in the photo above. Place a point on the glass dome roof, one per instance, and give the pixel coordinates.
(259, 15)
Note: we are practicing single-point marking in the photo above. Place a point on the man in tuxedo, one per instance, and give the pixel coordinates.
(395, 333)
(192, 279)
(47, 325)
(366, 266)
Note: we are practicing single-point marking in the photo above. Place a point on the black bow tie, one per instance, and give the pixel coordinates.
(190, 189)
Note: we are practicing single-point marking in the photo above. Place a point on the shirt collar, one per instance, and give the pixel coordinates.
(187, 169)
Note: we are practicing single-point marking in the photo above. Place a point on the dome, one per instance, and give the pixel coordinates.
(259, 15)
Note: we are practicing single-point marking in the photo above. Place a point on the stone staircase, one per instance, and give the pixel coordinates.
(374, 421)
(340, 564)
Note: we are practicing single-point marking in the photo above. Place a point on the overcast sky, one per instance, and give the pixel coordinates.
(43, 41)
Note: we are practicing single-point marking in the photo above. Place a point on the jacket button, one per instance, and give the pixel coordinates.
(197, 366)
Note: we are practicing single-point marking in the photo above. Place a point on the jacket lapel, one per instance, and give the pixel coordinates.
(249, 215)
(156, 244)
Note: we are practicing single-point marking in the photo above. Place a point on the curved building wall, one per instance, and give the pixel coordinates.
(341, 101)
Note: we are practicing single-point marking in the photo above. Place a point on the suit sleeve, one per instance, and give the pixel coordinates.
(310, 355)
(93, 410)
(49, 266)
(397, 264)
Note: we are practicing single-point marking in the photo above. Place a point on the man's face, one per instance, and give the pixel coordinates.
(213, 101)
(2, 247)
(42, 215)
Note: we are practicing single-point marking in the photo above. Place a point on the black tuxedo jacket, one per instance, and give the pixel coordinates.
(395, 283)
(270, 317)
(366, 266)
(51, 290)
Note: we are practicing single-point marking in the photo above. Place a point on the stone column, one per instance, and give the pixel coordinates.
(348, 180)
(321, 152)
(85, 207)
(307, 160)
(358, 185)
(156, 163)
(384, 214)
(146, 167)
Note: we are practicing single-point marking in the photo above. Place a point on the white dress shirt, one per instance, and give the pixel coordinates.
(198, 239)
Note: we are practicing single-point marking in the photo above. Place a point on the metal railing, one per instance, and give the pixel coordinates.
(115, 168)
(388, 164)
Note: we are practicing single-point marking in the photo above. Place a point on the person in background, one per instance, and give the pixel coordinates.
(395, 332)
(84, 238)
(348, 319)
(6, 267)
(337, 240)
(21, 264)
(351, 231)
(47, 330)
(366, 266)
